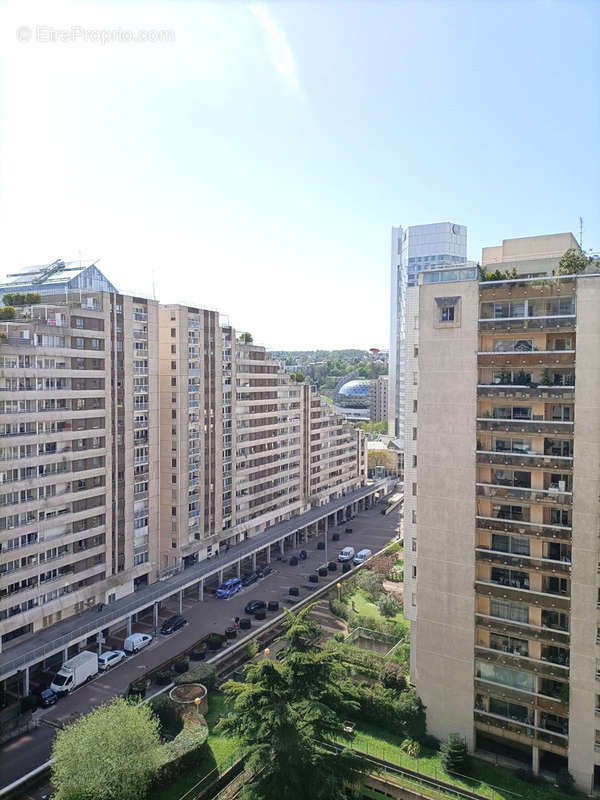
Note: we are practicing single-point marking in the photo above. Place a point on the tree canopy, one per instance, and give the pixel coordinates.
(285, 713)
(110, 754)
(573, 262)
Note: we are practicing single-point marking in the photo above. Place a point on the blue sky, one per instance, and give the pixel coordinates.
(255, 162)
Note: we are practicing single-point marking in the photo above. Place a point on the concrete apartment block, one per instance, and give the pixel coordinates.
(502, 506)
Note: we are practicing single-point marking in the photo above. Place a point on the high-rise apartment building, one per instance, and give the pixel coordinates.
(502, 510)
(137, 439)
(415, 249)
(379, 398)
(78, 448)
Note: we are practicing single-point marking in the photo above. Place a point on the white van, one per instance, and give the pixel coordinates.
(136, 641)
(347, 554)
(362, 556)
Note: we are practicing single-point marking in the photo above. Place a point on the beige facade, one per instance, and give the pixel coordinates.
(137, 439)
(79, 456)
(379, 398)
(502, 507)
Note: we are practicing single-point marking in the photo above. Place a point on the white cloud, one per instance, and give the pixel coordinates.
(278, 46)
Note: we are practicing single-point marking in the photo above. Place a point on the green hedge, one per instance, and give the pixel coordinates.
(201, 673)
(168, 713)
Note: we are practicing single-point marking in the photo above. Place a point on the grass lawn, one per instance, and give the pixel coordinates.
(486, 779)
(224, 752)
(364, 607)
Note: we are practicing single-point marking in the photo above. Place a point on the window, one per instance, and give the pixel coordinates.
(173, 333)
(415, 351)
(414, 434)
(414, 489)
(173, 365)
(414, 461)
(413, 545)
(173, 381)
(504, 609)
(414, 406)
(447, 314)
(414, 572)
(173, 349)
(413, 599)
(414, 517)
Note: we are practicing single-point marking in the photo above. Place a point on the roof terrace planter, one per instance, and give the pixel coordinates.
(192, 697)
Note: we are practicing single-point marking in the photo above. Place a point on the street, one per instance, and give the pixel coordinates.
(370, 529)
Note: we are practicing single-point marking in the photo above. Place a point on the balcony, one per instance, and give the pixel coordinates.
(524, 391)
(526, 426)
(556, 322)
(553, 636)
(522, 595)
(523, 732)
(529, 460)
(537, 496)
(561, 567)
(531, 358)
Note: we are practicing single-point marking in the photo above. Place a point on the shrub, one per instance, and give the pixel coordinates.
(453, 754)
(28, 703)
(32, 298)
(181, 666)
(201, 673)
(338, 608)
(8, 312)
(564, 781)
(162, 677)
(392, 677)
(185, 753)
(339, 636)
(388, 605)
(411, 747)
(371, 583)
(168, 713)
(137, 689)
(430, 742)
(199, 652)
(215, 640)
(252, 648)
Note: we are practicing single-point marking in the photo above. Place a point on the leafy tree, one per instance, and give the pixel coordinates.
(246, 338)
(110, 754)
(392, 676)
(453, 753)
(382, 458)
(373, 427)
(7, 312)
(32, 298)
(370, 582)
(284, 714)
(388, 605)
(573, 262)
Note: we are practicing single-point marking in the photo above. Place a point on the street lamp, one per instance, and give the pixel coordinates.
(267, 652)
(197, 702)
(339, 588)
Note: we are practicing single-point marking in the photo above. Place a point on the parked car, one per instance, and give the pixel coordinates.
(136, 642)
(254, 605)
(347, 554)
(110, 658)
(229, 588)
(47, 698)
(362, 556)
(249, 579)
(173, 624)
(262, 571)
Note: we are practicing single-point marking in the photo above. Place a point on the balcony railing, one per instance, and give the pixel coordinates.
(558, 322)
(498, 557)
(526, 426)
(530, 460)
(537, 496)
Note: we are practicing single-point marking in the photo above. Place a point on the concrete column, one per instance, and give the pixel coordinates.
(181, 601)
(238, 569)
(220, 576)
(269, 554)
(26, 682)
(65, 654)
(99, 639)
(155, 614)
(129, 625)
(200, 591)
(535, 760)
(295, 539)
(253, 562)
(282, 546)
(326, 524)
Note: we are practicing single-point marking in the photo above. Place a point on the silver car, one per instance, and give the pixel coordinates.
(110, 659)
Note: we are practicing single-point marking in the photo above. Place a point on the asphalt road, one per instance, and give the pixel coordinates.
(370, 529)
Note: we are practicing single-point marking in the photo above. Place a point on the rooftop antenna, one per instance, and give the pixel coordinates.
(153, 287)
(581, 232)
